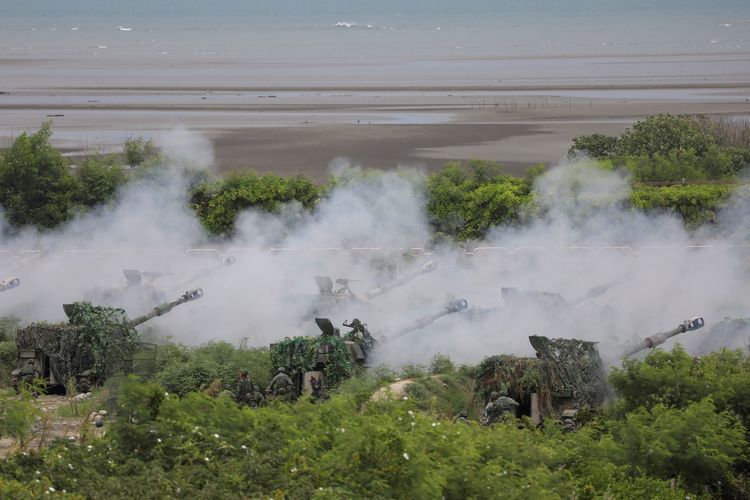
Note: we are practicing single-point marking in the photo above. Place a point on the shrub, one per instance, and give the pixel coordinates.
(663, 134)
(219, 204)
(36, 187)
(139, 151)
(595, 145)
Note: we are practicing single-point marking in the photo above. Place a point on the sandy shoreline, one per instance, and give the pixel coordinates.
(297, 118)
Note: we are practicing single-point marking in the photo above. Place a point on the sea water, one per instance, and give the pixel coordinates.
(310, 31)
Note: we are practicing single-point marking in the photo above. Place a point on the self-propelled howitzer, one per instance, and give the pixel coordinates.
(565, 375)
(81, 349)
(332, 356)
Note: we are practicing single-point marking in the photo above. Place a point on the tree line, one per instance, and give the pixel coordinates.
(464, 200)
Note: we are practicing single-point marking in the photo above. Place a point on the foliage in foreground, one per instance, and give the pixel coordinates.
(202, 446)
(183, 369)
(677, 431)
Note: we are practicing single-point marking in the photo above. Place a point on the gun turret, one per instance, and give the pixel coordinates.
(453, 306)
(164, 308)
(688, 325)
(9, 284)
(401, 280)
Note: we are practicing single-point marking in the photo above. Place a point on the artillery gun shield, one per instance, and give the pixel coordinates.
(325, 326)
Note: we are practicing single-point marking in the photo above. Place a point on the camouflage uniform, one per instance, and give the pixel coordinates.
(26, 375)
(281, 385)
(243, 394)
(318, 393)
(499, 406)
(84, 381)
(257, 395)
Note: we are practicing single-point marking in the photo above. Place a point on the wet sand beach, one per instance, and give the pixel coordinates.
(296, 118)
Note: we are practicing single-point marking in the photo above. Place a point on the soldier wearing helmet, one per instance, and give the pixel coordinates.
(281, 385)
(500, 405)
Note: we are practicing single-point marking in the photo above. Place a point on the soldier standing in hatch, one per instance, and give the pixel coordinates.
(499, 406)
(281, 385)
(244, 392)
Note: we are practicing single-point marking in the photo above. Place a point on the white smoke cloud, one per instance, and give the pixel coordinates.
(184, 148)
(648, 280)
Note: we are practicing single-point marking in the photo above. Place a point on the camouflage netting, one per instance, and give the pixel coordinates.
(564, 368)
(299, 355)
(573, 366)
(82, 344)
(521, 376)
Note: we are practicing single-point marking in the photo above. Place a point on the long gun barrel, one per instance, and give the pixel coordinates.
(401, 280)
(164, 308)
(225, 262)
(657, 339)
(9, 284)
(453, 306)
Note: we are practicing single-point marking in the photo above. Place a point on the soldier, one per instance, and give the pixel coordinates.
(26, 376)
(500, 405)
(318, 394)
(244, 393)
(281, 385)
(359, 333)
(84, 381)
(257, 395)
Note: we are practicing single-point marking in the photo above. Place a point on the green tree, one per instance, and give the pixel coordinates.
(663, 134)
(99, 181)
(219, 204)
(466, 200)
(595, 145)
(36, 187)
(139, 151)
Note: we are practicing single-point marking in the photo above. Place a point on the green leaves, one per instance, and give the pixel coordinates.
(465, 201)
(218, 204)
(36, 187)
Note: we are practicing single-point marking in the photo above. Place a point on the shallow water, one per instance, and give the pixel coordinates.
(388, 30)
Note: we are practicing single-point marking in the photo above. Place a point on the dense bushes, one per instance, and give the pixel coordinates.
(184, 369)
(218, 204)
(36, 187)
(696, 204)
(464, 201)
(673, 148)
(677, 431)
(198, 446)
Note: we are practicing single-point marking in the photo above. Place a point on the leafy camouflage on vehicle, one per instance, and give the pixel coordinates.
(302, 354)
(82, 344)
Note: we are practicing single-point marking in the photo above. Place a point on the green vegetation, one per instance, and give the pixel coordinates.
(676, 430)
(464, 201)
(673, 148)
(217, 204)
(36, 186)
(696, 204)
(214, 366)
